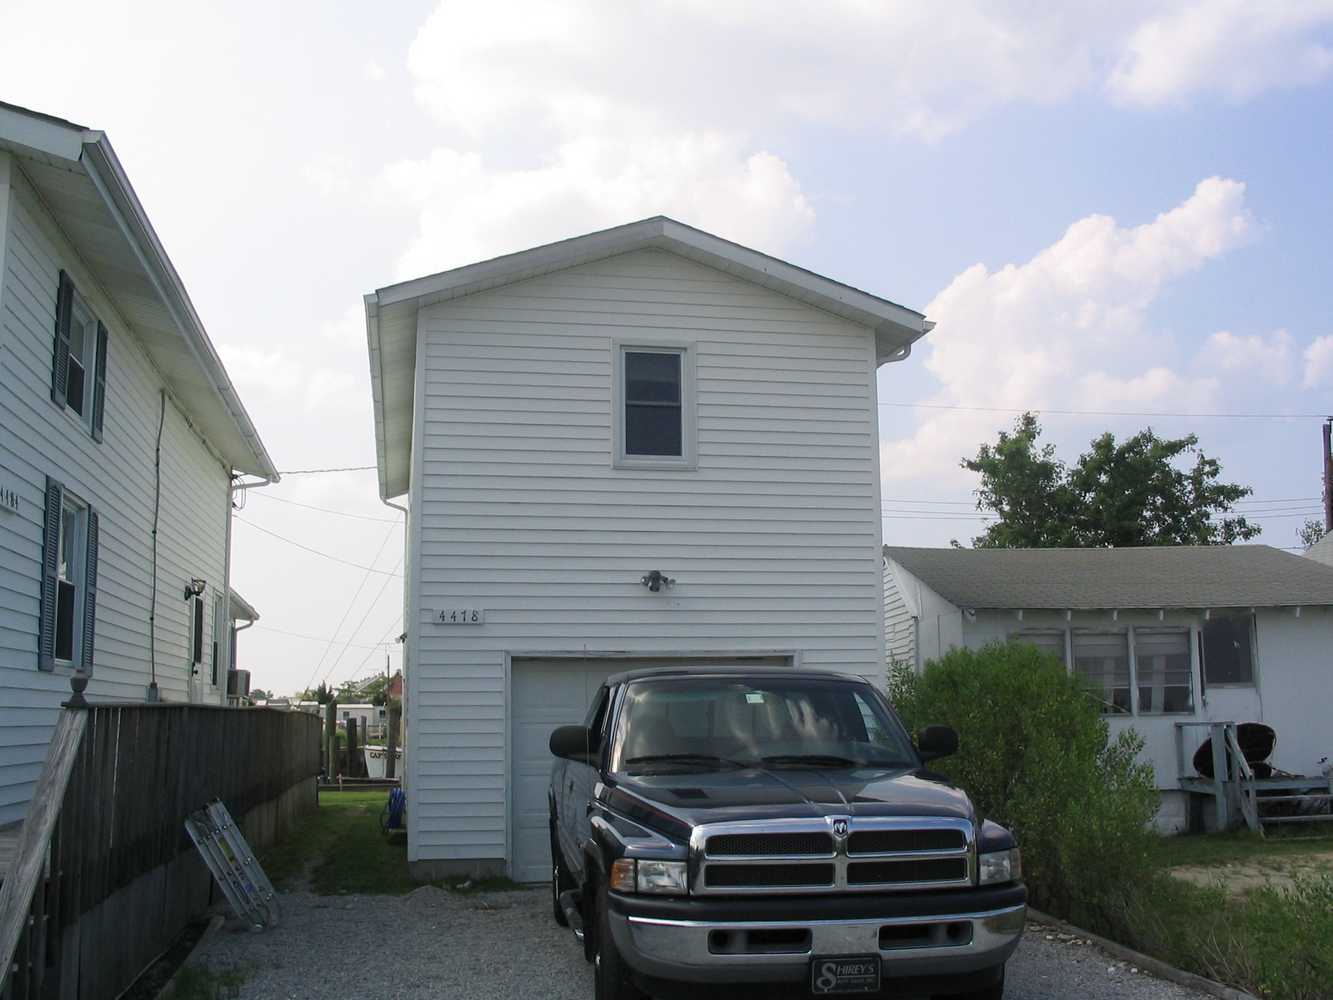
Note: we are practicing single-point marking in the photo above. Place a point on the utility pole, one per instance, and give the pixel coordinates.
(1328, 474)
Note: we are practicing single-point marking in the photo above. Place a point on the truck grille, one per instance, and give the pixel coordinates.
(822, 855)
(769, 844)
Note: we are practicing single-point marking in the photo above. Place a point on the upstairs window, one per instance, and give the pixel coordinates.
(78, 363)
(654, 423)
(1228, 649)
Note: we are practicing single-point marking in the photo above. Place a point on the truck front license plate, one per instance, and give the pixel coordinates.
(845, 974)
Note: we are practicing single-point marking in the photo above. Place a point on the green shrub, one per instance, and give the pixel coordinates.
(1034, 755)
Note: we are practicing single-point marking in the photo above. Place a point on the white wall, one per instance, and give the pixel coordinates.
(1322, 550)
(116, 478)
(900, 621)
(773, 539)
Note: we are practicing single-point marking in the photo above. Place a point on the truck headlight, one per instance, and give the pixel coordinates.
(999, 866)
(660, 878)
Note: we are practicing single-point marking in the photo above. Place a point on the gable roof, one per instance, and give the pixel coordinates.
(83, 186)
(1184, 576)
(391, 312)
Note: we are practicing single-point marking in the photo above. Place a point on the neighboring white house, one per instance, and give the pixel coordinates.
(569, 421)
(1322, 550)
(121, 437)
(1169, 635)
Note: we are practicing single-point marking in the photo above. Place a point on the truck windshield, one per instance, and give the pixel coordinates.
(715, 723)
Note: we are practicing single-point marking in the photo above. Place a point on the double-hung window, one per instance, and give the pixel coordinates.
(654, 404)
(1102, 659)
(68, 610)
(78, 364)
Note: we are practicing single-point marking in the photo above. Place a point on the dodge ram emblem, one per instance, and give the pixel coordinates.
(840, 829)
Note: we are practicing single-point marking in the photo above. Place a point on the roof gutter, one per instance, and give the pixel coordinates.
(377, 392)
(104, 170)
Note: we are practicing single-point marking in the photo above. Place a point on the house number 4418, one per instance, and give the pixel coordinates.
(462, 616)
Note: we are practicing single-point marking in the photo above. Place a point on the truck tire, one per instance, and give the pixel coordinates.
(560, 880)
(611, 978)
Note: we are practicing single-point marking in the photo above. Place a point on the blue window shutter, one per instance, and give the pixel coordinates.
(60, 356)
(46, 636)
(90, 593)
(99, 387)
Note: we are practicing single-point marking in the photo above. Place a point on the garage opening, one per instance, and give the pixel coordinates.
(550, 692)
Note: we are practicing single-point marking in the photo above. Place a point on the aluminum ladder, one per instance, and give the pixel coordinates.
(234, 866)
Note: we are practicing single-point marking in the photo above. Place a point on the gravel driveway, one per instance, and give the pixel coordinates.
(433, 944)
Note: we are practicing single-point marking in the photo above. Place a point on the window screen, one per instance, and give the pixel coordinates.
(1048, 641)
(1228, 654)
(1102, 658)
(653, 403)
(1162, 659)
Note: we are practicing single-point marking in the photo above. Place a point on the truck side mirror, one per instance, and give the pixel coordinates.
(571, 743)
(934, 742)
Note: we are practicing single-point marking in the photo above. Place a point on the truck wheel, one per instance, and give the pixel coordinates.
(611, 977)
(560, 880)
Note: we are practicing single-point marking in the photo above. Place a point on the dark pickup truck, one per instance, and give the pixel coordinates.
(773, 827)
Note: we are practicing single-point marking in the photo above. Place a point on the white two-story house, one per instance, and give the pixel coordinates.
(644, 445)
(120, 440)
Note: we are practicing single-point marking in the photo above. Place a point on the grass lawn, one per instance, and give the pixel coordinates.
(340, 849)
(1255, 913)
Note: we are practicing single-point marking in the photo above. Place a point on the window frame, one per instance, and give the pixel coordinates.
(1207, 682)
(1137, 678)
(688, 458)
(87, 361)
(75, 552)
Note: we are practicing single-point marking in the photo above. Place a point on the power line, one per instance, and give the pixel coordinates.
(374, 602)
(1107, 413)
(302, 635)
(330, 510)
(362, 665)
(315, 472)
(333, 636)
(307, 548)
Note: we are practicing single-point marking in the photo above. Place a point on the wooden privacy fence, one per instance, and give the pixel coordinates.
(104, 877)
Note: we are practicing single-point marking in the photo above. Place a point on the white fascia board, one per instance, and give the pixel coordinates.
(377, 391)
(104, 170)
(43, 134)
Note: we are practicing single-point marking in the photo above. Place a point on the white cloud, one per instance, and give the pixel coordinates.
(1232, 47)
(1319, 363)
(1067, 329)
(471, 210)
(373, 71)
(265, 376)
(1270, 357)
(926, 69)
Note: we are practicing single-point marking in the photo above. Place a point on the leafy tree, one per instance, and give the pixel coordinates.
(1311, 532)
(259, 694)
(1130, 493)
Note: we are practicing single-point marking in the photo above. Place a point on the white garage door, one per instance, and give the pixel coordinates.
(545, 694)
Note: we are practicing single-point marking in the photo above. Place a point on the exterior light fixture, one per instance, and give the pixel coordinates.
(656, 580)
(195, 587)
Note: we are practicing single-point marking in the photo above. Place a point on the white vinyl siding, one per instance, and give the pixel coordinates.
(899, 625)
(115, 478)
(517, 508)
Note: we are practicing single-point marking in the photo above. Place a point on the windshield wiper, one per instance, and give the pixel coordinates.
(684, 758)
(825, 760)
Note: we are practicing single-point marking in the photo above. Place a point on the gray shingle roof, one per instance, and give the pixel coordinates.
(1203, 576)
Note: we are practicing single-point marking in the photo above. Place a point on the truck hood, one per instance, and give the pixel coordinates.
(687, 800)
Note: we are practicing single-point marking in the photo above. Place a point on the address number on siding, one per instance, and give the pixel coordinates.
(461, 616)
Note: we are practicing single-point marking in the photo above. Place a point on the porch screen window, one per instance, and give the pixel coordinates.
(1049, 642)
(1102, 659)
(1228, 649)
(1162, 659)
(654, 404)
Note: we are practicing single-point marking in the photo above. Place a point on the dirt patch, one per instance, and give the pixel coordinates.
(1237, 878)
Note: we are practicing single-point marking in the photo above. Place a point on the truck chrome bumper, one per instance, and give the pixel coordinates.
(765, 951)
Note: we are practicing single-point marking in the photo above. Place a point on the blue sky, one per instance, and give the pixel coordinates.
(1111, 209)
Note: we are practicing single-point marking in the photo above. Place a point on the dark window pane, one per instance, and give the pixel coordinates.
(198, 651)
(652, 430)
(652, 378)
(1226, 650)
(74, 386)
(65, 620)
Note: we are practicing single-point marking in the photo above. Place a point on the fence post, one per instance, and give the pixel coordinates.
(331, 741)
(391, 743)
(352, 770)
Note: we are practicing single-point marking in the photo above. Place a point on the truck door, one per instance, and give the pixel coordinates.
(580, 779)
